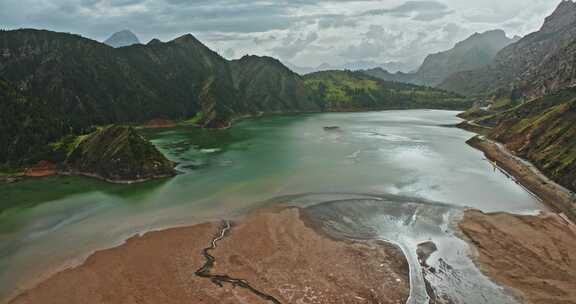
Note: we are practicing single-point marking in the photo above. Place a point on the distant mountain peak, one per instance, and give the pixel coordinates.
(563, 16)
(122, 38)
(154, 41)
(186, 38)
(491, 36)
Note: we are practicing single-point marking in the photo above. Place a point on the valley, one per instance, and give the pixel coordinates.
(189, 171)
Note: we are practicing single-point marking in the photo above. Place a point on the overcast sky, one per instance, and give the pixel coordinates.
(304, 32)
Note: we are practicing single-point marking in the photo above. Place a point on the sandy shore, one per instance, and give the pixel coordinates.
(555, 196)
(532, 255)
(278, 254)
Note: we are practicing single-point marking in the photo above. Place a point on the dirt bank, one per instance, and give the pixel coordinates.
(160, 124)
(557, 197)
(41, 169)
(532, 255)
(275, 253)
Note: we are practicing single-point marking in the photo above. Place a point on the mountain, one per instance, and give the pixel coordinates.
(86, 83)
(122, 38)
(58, 84)
(385, 75)
(542, 131)
(537, 64)
(393, 66)
(270, 86)
(353, 91)
(475, 52)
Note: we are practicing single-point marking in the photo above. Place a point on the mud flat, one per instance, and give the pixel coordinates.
(270, 257)
(531, 255)
(555, 196)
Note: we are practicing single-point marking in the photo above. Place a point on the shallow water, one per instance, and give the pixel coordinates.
(45, 222)
(408, 222)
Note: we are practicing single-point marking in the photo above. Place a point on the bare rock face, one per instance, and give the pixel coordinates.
(563, 16)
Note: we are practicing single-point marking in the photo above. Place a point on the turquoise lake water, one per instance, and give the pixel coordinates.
(48, 223)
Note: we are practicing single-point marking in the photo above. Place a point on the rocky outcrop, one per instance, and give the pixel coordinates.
(122, 38)
(118, 154)
(557, 72)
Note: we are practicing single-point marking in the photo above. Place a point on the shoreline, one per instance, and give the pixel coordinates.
(523, 172)
(289, 260)
(20, 176)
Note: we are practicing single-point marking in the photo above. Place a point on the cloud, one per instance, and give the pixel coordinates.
(291, 47)
(336, 21)
(307, 32)
(376, 41)
(417, 10)
(229, 53)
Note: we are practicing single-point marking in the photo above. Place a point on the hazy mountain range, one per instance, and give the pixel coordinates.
(391, 66)
(475, 52)
(537, 64)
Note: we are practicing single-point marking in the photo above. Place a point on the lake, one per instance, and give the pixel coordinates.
(48, 223)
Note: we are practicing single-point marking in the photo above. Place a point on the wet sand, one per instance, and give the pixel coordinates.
(555, 196)
(278, 253)
(534, 256)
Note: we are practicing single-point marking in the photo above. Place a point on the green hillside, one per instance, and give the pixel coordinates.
(349, 91)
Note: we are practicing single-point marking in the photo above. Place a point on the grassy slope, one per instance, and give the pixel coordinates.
(544, 132)
(346, 90)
